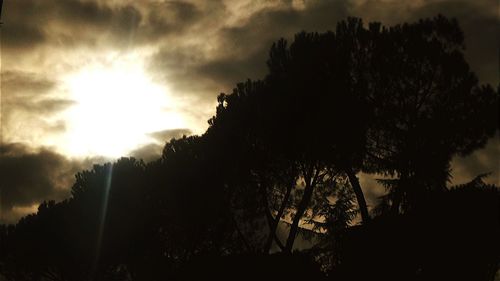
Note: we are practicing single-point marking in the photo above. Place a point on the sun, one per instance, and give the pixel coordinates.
(116, 107)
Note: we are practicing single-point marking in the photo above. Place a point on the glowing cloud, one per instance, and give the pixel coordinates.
(117, 105)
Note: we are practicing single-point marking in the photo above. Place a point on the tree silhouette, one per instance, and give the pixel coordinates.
(427, 106)
(395, 101)
(296, 119)
(286, 150)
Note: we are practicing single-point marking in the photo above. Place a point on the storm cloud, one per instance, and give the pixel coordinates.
(29, 177)
(201, 48)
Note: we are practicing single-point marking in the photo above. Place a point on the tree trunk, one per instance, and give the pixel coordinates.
(270, 219)
(353, 179)
(308, 191)
(272, 235)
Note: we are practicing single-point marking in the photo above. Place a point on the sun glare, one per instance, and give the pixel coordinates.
(116, 106)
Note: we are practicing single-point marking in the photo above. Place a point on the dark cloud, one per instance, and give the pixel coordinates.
(149, 152)
(251, 41)
(91, 23)
(154, 150)
(242, 49)
(81, 12)
(170, 17)
(29, 23)
(485, 160)
(175, 66)
(226, 72)
(478, 19)
(166, 135)
(21, 36)
(30, 176)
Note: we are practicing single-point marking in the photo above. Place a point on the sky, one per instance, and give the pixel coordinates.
(85, 81)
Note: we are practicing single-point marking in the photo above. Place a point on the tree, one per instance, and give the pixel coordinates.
(84, 237)
(299, 118)
(427, 106)
(379, 100)
(454, 236)
(194, 201)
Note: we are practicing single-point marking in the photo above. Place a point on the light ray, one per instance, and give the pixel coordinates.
(102, 219)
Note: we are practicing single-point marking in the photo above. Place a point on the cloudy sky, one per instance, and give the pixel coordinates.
(87, 80)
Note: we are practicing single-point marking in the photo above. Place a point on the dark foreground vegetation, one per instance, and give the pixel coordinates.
(280, 163)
